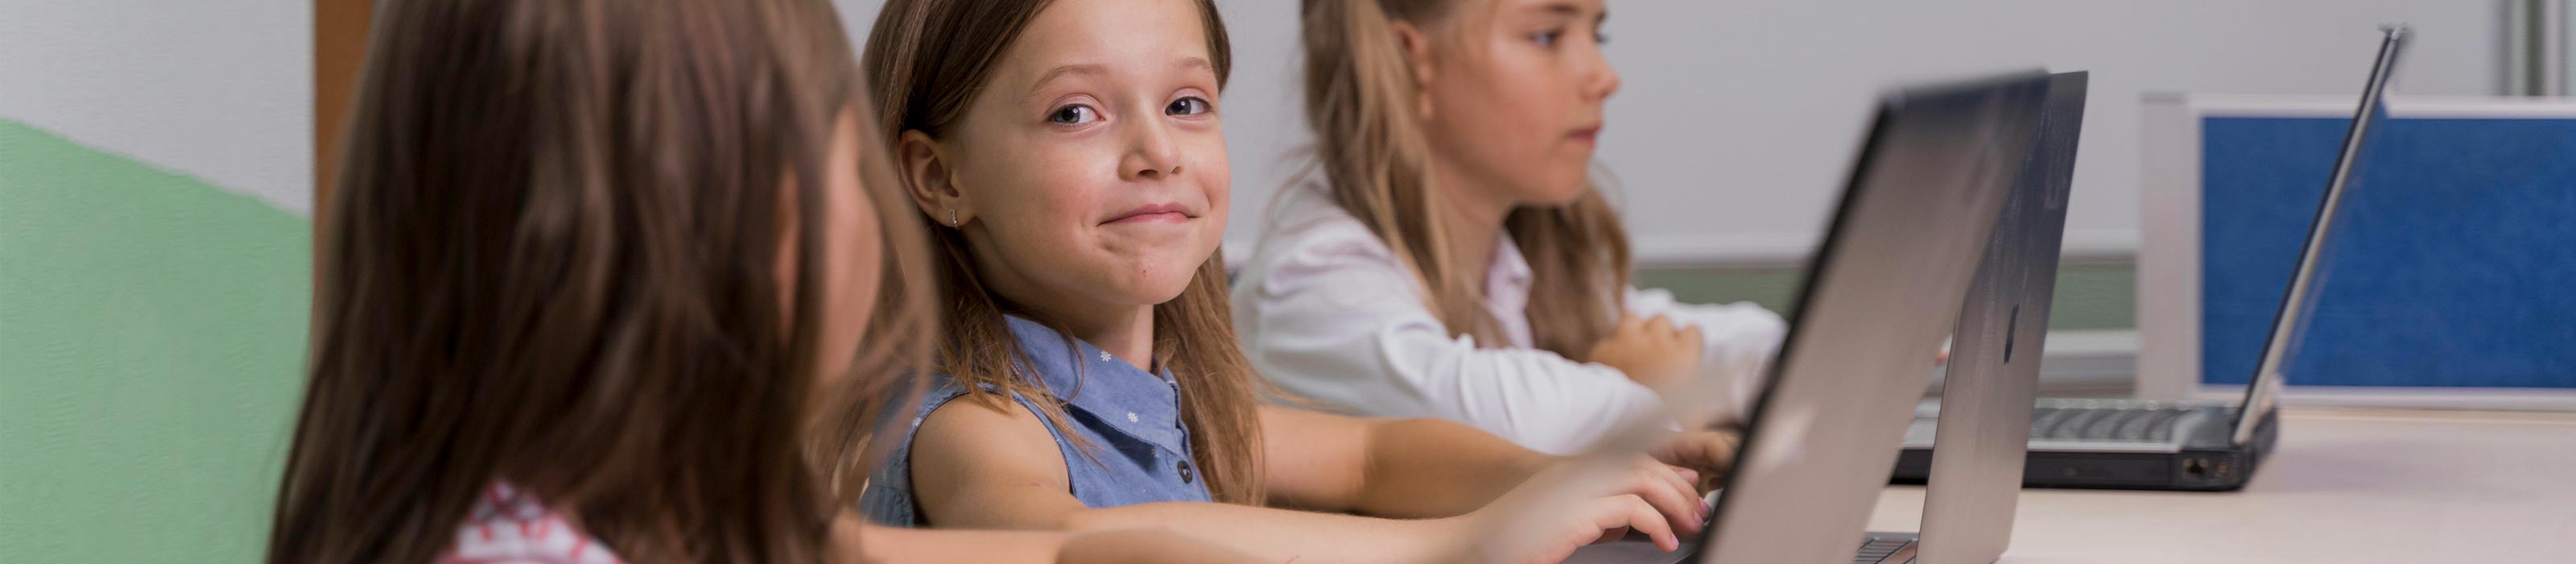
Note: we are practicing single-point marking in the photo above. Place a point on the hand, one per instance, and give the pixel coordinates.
(1580, 502)
(1709, 453)
(1650, 351)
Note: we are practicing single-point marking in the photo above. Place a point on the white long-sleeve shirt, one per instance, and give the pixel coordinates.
(1327, 312)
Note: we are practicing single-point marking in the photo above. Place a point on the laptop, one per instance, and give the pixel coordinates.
(2157, 445)
(1879, 297)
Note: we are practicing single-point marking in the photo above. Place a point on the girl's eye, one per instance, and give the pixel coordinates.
(1187, 107)
(1073, 115)
(1547, 38)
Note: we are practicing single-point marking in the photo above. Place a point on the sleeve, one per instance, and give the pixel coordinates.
(1739, 340)
(1340, 324)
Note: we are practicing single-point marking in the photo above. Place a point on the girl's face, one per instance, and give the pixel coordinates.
(1513, 93)
(1090, 170)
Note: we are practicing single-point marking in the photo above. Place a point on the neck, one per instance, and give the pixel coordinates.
(1125, 331)
(1475, 221)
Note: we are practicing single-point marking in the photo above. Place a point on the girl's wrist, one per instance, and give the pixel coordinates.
(1441, 539)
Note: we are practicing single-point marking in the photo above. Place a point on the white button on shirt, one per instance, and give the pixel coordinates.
(1328, 314)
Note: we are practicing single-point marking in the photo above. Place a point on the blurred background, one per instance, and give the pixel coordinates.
(158, 162)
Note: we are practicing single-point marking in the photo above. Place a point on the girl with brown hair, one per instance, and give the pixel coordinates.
(609, 281)
(1071, 154)
(1452, 259)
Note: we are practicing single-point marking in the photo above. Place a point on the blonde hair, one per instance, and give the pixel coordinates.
(929, 58)
(1372, 152)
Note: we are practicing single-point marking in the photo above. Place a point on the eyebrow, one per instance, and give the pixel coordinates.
(1064, 71)
(1570, 10)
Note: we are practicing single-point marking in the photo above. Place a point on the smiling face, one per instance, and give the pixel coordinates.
(1089, 172)
(1514, 91)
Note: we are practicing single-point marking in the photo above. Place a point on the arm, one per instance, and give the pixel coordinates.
(893, 545)
(1331, 327)
(1387, 467)
(979, 467)
(1738, 341)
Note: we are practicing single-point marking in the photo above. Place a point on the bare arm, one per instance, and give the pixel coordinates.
(979, 467)
(1388, 467)
(891, 545)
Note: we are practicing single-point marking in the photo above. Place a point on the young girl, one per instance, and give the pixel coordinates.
(1453, 138)
(1071, 155)
(594, 290)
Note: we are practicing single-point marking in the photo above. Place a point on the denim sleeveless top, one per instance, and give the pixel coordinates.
(1140, 451)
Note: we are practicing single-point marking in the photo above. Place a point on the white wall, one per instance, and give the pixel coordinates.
(219, 89)
(1739, 117)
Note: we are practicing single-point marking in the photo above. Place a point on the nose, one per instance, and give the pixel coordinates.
(1151, 152)
(1599, 80)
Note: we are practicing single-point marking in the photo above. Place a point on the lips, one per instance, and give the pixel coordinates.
(1587, 135)
(1152, 213)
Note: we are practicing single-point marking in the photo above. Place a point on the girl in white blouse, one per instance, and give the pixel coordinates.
(1451, 258)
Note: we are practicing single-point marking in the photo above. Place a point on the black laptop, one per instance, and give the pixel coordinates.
(2157, 445)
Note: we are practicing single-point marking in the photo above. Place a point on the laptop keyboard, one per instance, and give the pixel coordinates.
(1876, 549)
(2129, 424)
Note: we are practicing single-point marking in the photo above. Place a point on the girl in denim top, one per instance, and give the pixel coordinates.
(1071, 156)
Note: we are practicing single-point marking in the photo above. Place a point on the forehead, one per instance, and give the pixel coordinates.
(1114, 34)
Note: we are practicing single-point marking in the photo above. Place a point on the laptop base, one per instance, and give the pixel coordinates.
(2204, 462)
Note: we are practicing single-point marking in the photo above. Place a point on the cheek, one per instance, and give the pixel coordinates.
(1035, 192)
(1215, 179)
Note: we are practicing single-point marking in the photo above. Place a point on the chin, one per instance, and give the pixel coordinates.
(1159, 285)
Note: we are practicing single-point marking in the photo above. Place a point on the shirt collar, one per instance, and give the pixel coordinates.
(1142, 405)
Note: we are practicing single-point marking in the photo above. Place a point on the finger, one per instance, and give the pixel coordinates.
(1685, 483)
(1688, 475)
(1692, 335)
(1628, 324)
(1661, 325)
(1643, 518)
(1709, 451)
(1611, 535)
(1668, 495)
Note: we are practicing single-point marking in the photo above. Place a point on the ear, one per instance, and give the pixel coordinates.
(1417, 54)
(928, 179)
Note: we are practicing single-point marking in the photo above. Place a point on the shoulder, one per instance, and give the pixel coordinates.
(1006, 436)
(1310, 244)
(510, 526)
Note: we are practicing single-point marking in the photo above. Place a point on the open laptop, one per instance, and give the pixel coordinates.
(1879, 296)
(2139, 444)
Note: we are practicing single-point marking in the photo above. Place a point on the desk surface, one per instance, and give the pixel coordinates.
(2342, 486)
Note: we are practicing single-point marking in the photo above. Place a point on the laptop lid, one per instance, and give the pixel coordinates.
(1987, 396)
(2265, 386)
(1878, 299)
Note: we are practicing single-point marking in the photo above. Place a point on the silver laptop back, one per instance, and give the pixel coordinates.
(1881, 294)
(1994, 362)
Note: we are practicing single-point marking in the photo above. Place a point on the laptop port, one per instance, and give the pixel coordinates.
(2195, 468)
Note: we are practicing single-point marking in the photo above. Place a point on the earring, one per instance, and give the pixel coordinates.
(952, 217)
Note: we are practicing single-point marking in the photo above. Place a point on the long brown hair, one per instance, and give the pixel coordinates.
(1360, 96)
(555, 261)
(928, 59)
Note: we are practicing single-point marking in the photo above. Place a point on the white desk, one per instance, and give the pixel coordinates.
(2342, 486)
